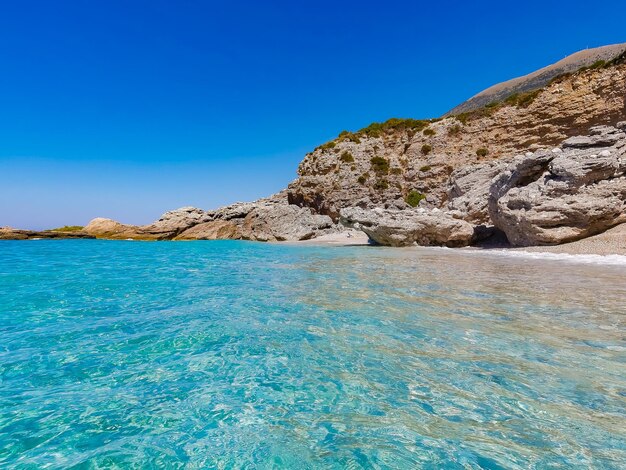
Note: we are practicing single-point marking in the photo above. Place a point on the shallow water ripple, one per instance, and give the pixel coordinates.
(244, 355)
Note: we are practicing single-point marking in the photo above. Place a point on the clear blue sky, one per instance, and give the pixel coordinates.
(126, 109)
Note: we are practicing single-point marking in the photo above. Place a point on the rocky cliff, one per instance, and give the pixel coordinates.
(548, 197)
(401, 161)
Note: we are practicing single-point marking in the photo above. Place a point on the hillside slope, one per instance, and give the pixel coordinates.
(540, 78)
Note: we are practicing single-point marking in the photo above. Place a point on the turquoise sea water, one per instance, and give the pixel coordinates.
(245, 355)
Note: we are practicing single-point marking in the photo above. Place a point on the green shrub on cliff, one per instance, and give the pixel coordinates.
(381, 184)
(522, 100)
(426, 149)
(377, 129)
(454, 130)
(598, 64)
(349, 136)
(482, 152)
(328, 145)
(68, 228)
(346, 157)
(380, 165)
(620, 59)
(414, 198)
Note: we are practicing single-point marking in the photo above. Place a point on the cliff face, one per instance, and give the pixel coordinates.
(547, 197)
(403, 160)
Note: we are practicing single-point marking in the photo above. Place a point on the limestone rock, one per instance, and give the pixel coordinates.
(8, 233)
(599, 136)
(268, 219)
(409, 227)
(173, 222)
(548, 199)
(284, 222)
(166, 227)
(468, 190)
(238, 210)
(213, 230)
(110, 229)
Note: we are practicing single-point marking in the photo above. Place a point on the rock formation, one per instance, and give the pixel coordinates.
(468, 190)
(569, 193)
(167, 227)
(284, 222)
(213, 230)
(270, 219)
(381, 165)
(8, 233)
(543, 198)
(424, 227)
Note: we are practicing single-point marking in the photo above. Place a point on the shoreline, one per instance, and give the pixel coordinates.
(609, 243)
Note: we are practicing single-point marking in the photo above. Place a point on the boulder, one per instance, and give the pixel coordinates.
(409, 227)
(550, 198)
(468, 190)
(238, 210)
(174, 222)
(213, 230)
(284, 222)
(111, 229)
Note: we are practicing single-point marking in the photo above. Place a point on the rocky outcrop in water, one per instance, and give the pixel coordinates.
(9, 233)
(394, 227)
(213, 230)
(174, 222)
(569, 193)
(168, 226)
(284, 222)
(270, 219)
(101, 227)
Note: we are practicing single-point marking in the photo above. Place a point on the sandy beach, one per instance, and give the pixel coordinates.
(345, 238)
(611, 242)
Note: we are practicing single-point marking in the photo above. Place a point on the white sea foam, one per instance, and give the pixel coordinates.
(612, 260)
